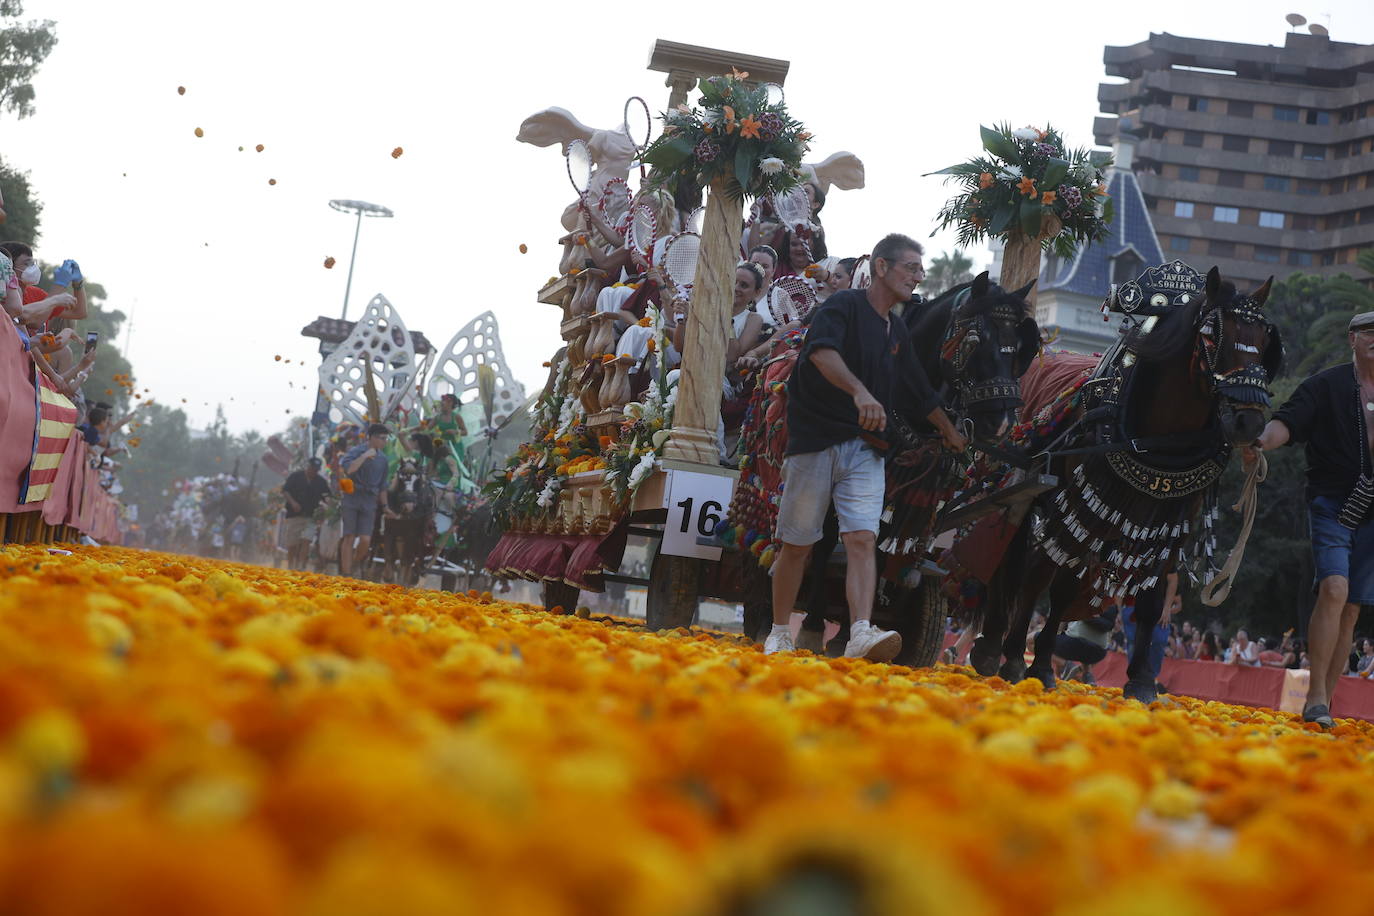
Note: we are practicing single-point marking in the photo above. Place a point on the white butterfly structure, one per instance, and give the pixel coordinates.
(378, 344)
(477, 344)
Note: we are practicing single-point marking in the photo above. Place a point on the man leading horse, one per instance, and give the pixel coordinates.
(857, 364)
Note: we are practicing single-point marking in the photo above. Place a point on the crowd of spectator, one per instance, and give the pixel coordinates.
(46, 306)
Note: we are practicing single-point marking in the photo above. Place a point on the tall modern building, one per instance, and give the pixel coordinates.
(1256, 158)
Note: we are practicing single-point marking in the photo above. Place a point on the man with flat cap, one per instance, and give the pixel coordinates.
(1332, 413)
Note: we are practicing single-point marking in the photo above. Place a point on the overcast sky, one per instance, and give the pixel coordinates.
(221, 270)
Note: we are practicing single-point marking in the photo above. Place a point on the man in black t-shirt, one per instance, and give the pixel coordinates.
(855, 366)
(1332, 413)
(304, 491)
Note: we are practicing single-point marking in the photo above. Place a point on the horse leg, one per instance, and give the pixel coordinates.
(1034, 577)
(1140, 675)
(1063, 591)
(812, 635)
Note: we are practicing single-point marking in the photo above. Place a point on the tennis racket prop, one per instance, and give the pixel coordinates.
(862, 277)
(642, 232)
(614, 205)
(579, 162)
(794, 211)
(680, 255)
(639, 127)
(790, 299)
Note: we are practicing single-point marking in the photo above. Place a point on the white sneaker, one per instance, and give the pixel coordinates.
(867, 641)
(778, 642)
(812, 641)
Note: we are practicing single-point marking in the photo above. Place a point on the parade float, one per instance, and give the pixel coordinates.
(621, 443)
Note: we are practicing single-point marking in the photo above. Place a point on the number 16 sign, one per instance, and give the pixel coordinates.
(697, 502)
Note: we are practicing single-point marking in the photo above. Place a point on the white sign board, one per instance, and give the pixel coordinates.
(697, 502)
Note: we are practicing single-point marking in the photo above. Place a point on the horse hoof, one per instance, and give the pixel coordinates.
(1044, 676)
(1013, 671)
(1144, 691)
(983, 664)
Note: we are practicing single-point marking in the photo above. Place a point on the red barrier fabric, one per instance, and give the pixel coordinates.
(578, 560)
(18, 417)
(1241, 684)
(74, 495)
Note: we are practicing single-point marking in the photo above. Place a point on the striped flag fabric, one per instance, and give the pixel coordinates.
(56, 419)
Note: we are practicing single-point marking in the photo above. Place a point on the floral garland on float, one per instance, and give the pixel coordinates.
(633, 457)
(741, 135)
(1031, 191)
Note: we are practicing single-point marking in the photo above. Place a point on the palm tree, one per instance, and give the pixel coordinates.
(945, 271)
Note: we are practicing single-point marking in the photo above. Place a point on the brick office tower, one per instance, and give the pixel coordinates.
(1256, 158)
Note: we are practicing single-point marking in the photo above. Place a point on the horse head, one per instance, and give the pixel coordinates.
(1229, 350)
(989, 341)
(1242, 352)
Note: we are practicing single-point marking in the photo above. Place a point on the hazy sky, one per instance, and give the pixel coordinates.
(221, 270)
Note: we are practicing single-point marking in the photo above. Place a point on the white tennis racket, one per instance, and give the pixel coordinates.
(614, 205)
(775, 94)
(639, 127)
(680, 258)
(862, 277)
(790, 299)
(579, 162)
(643, 232)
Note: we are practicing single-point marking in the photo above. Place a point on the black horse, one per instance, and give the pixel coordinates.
(974, 342)
(1138, 484)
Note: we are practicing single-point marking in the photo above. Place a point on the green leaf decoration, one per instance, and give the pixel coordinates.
(1055, 172)
(995, 142)
(669, 153)
(744, 166)
(1100, 159)
(1031, 215)
(1001, 220)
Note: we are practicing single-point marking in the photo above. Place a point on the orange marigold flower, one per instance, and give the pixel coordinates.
(749, 127)
(653, 345)
(1026, 186)
(1048, 197)
(644, 322)
(985, 180)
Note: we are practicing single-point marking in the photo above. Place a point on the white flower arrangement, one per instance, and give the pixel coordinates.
(642, 470)
(550, 492)
(1026, 133)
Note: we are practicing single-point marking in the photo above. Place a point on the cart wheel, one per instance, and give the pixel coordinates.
(921, 621)
(674, 585)
(561, 594)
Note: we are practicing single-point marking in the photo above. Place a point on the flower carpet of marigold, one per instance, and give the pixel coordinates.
(185, 736)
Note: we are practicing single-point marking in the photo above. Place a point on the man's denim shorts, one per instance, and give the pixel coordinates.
(359, 518)
(850, 473)
(1338, 551)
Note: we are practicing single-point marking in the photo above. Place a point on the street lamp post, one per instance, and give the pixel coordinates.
(362, 208)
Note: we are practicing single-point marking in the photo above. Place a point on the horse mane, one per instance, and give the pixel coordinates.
(1173, 335)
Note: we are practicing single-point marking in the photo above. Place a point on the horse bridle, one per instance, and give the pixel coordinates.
(962, 337)
(1248, 384)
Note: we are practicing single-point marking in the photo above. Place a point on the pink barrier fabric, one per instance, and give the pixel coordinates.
(1239, 684)
(75, 497)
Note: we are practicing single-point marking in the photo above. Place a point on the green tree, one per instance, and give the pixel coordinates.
(946, 271)
(22, 209)
(23, 48)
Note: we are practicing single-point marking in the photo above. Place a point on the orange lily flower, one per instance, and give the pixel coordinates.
(729, 119)
(739, 74)
(1027, 186)
(1048, 197)
(749, 127)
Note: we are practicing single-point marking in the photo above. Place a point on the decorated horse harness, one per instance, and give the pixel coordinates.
(1140, 506)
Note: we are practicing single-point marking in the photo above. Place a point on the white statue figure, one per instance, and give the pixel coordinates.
(612, 151)
(477, 344)
(379, 344)
(842, 170)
